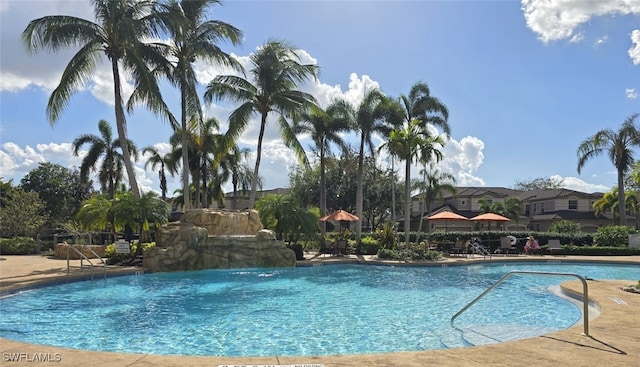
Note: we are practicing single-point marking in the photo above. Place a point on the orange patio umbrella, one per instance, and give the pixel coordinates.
(340, 215)
(491, 217)
(446, 216)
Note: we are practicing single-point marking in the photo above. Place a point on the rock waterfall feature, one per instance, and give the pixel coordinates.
(216, 239)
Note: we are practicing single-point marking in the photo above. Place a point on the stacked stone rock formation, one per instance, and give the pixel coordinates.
(216, 239)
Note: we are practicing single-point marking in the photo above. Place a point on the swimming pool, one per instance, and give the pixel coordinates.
(337, 309)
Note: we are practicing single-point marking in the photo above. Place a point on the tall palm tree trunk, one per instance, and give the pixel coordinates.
(254, 179)
(234, 202)
(163, 182)
(407, 205)
(185, 154)
(323, 194)
(393, 193)
(622, 208)
(423, 195)
(121, 124)
(205, 193)
(359, 193)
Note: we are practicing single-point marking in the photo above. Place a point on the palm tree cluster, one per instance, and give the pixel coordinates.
(123, 31)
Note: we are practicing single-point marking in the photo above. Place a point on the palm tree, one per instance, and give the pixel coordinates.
(117, 33)
(414, 112)
(412, 143)
(510, 208)
(105, 147)
(325, 127)
(370, 118)
(203, 142)
(155, 159)
(609, 201)
(241, 173)
(433, 185)
(207, 144)
(421, 105)
(96, 213)
(193, 38)
(140, 213)
(276, 73)
(618, 146)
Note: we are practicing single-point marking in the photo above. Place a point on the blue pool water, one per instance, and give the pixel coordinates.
(337, 309)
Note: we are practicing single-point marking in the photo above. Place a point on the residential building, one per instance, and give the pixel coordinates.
(540, 208)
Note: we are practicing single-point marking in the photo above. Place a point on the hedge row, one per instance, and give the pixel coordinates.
(17, 246)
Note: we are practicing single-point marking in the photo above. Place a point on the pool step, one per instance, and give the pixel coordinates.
(491, 334)
(454, 339)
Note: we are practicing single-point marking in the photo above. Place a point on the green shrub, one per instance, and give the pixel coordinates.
(110, 250)
(598, 250)
(17, 246)
(387, 254)
(369, 246)
(425, 254)
(564, 226)
(386, 235)
(614, 236)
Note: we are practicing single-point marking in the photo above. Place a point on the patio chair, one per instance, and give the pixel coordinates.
(341, 247)
(554, 245)
(506, 246)
(325, 248)
(459, 248)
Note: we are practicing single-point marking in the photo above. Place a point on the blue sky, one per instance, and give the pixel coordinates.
(525, 82)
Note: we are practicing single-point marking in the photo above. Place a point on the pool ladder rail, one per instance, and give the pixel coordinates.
(585, 295)
(84, 257)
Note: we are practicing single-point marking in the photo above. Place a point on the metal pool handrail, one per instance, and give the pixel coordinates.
(585, 292)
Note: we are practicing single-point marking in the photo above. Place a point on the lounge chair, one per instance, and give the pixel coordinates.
(459, 248)
(341, 247)
(554, 245)
(325, 248)
(506, 247)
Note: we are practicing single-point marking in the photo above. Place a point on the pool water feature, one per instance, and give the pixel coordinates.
(336, 309)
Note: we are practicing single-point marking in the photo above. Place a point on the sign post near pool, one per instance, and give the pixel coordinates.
(122, 247)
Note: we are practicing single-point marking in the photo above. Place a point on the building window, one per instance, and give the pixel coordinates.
(463, 202)
(573, 204)
(527, 209)
(535, 208)
(542, 208)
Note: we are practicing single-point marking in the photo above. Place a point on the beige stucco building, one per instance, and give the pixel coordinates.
(540, 208)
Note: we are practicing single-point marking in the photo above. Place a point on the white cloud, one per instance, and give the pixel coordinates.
(634, 51)
(577, 38)
(554, 20)
(574, 183)
(600, 41)
(631, 93)
(462, 159)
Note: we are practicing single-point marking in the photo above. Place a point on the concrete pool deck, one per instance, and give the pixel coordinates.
(614, 340)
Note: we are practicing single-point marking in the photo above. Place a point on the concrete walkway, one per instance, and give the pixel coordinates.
(614, 340)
